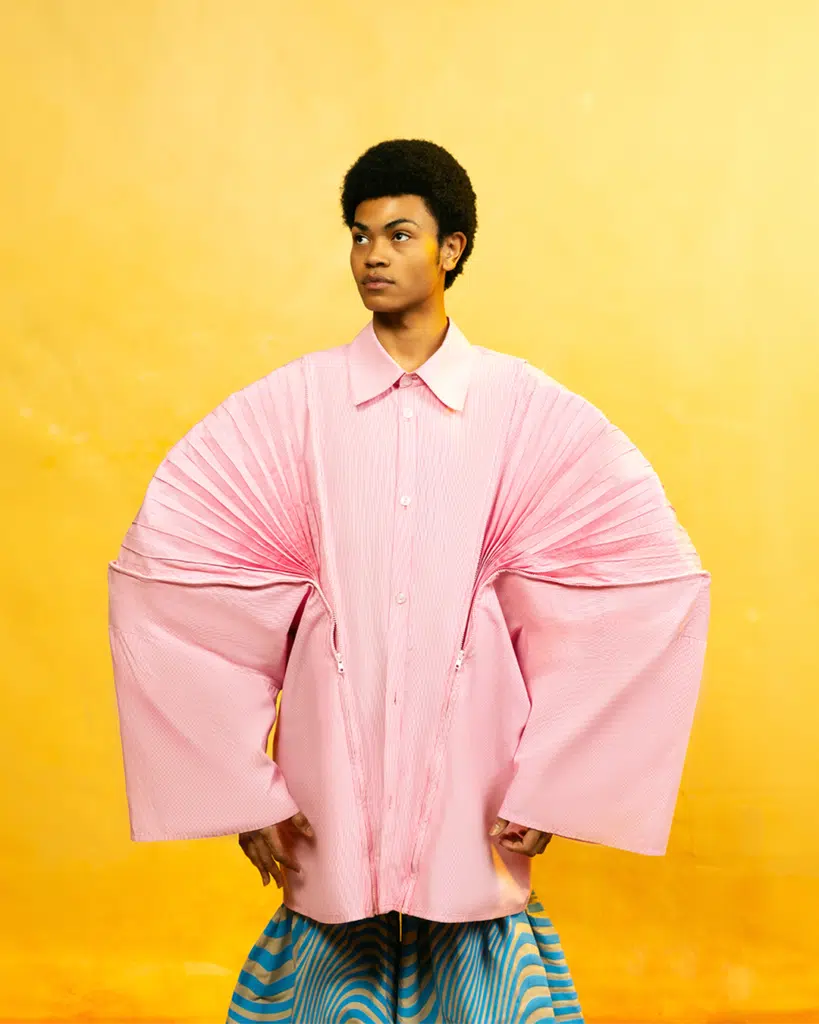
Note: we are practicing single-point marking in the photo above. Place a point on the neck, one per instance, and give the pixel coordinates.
(411, 337)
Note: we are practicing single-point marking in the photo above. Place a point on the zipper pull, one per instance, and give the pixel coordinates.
(460, 660)
(340, 663)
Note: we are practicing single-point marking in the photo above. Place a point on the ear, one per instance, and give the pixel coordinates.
(452, 249)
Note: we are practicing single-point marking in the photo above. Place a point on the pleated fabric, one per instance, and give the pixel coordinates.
(473, 610)
(385, 970)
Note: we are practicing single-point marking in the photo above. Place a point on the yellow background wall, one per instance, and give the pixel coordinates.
(170, 230)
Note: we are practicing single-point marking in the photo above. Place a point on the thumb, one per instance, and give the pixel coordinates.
(499, 826)
(302, 824)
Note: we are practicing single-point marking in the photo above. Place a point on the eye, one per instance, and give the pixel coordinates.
(356, 237)
(397, 233)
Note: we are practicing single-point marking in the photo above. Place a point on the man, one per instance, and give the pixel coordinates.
(479, 609)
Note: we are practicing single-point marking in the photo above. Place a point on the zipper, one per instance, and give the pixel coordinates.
(361, 798)
(353, 734)
(341, 669)
(466, 636)
(333, 629)
(333, 622)
(468, 626)
(433, 785)
(470, 621)
(464, 646)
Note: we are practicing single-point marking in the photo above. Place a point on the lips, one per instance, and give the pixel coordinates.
(376, 282)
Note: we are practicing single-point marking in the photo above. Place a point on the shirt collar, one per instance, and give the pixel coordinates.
(446, 372)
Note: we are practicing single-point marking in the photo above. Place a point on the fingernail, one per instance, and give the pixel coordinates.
(495, 829)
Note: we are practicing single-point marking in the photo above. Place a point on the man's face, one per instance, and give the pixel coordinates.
(396, 237)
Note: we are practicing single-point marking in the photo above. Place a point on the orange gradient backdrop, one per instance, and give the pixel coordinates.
(170, 230)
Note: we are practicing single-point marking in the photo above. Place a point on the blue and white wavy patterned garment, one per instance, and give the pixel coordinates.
(508, 970)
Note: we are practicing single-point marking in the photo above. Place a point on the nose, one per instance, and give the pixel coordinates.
(375, 257)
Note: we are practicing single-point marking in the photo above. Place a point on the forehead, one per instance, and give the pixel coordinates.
(377, 212)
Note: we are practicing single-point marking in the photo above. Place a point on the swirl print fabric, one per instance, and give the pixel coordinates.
(389, 970)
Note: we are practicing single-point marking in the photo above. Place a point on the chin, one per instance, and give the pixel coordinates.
(381, 303)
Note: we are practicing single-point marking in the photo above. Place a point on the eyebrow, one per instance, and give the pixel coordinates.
(392, 223)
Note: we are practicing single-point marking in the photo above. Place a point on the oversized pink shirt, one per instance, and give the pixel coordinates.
(475, 599)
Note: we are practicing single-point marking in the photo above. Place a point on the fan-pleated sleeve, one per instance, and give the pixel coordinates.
(607, 605)
(202, 599)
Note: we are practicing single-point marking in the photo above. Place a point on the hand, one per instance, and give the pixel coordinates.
(529, 841)
(264, 846)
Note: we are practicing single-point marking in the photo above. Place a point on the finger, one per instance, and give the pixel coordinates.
(257, 862)
(524, 842)
(300, 822)
(543, 843)
(246, 845)
(515, 832)
(245, 838)
(270, 846)
(531, 838)
(512, 840)
(264, 857)
(281, 855)
(288, 861)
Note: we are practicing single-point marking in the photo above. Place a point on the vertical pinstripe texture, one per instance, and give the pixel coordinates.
(505, 971)
(523, 634)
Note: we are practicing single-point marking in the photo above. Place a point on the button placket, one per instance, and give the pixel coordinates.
(400, 605)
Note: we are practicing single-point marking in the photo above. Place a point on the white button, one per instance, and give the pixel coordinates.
(407, 413)
(405, 381)
(406, 500)
(401, 598)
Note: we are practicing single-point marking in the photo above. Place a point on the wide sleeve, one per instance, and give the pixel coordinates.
(608, 605)
(203, 595)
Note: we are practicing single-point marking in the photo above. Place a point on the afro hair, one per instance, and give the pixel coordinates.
(416, 167)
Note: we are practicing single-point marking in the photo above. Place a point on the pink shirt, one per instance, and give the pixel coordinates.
(474, 596)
